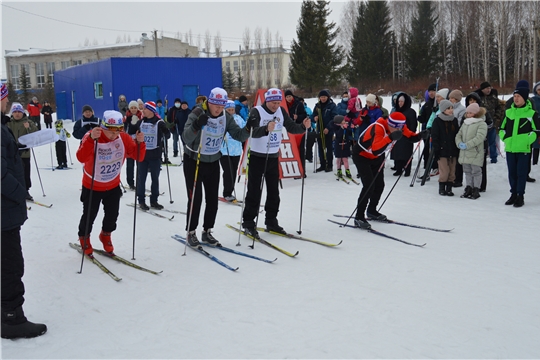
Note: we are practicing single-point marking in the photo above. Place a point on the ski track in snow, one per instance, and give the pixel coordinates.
(471, 293)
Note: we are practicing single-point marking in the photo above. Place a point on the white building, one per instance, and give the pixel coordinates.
(41, 64)
(264, 68)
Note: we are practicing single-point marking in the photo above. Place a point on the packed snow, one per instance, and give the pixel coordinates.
(470, 293)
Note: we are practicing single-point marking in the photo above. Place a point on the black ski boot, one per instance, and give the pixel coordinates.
(449, 188)
(362, 224)
(375, 215)
(272, 225)
(15, 325)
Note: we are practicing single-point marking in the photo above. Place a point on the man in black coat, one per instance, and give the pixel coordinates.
(14, 323)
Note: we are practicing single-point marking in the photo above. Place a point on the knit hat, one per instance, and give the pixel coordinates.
(184, 102)
(177, 100)
(338, 119)
(288, 92)
(371, 98)
(432, 87)
(242, 98)
(17, 107)
(87, 107)
(444, 105)
(4, 91)
(218, 96)
(133, 103)
(443, 93)
(522, 88)
(397, 120)
(324, 93)
(112, 118)
(159, 102)
(230, 104)
(474, 108)
(456, 94)
(150, 105)
(522, 84)
(484, 85)
(273, 94)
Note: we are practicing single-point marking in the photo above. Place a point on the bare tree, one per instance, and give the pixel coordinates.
(199, 42)
(118, 39)
(259, 61)
(278, 60)
(268, 58)
(190, 37)
(207, 42)
(217, 44)
(95, 42)
(86, 42)
(347, 22)
(248, 74)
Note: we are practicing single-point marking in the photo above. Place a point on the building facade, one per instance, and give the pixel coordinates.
(263, 68)
(40, 64)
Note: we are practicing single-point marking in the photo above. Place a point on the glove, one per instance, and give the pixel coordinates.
(396, 135)
(251, 123)
(134, 119)
(425, 134)
(462, 146)
(202, 120)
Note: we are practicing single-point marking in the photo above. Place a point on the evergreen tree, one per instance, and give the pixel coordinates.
(228, 80)
(422, 50)
(315, 57)
(24, 86)
(240, 80)
(48, 92)
(12, 94)
(371, 53)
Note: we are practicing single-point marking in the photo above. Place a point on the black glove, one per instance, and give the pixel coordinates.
(251, 123)
(201, 121)
(396, 135)
(425, 134)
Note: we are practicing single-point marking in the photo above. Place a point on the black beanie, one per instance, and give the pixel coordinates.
(288, 92)
(183, 102)
(324, 93)
(432, 87)
(87, 107)
(177, 100)
(484, 85)
(338, 119)
(242, 98)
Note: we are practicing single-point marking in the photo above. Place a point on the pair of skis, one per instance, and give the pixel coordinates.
(154, 213)
(346, 180)
(114, 257)
(40, 204)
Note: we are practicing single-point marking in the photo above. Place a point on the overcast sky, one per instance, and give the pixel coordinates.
(57, 25)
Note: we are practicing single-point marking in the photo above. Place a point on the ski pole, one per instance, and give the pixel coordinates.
(123, 188)
(372, 182)
(303, 180)
(135, 200)
(69, 152)
(315, 154)
(52, 164)
(37, 169)
(400, 175)
(417, 168)
(230, 164)
(167, 166)
(89, 206)
(248, 152)
(194, 188)
(261, 187)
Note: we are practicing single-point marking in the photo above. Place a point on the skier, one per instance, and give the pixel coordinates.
(113, 146)
(60, 145)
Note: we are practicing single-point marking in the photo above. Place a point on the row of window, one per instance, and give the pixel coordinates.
(43, 70)
(252, 64)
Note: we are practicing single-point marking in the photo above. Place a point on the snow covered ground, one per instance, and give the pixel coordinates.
(471, 293)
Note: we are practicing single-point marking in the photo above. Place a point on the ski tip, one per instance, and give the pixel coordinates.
(296, 254)
(170, 219)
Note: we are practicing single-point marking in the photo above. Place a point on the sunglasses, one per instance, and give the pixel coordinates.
(115, 129)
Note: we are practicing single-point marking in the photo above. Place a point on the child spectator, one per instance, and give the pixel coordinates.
(60, 145)
(470, 140)
(443, 136)
(342, 150)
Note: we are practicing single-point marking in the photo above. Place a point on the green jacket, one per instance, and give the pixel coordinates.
(18, 129)
(518, 128)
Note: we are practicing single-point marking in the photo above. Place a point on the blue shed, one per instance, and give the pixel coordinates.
(100, 83)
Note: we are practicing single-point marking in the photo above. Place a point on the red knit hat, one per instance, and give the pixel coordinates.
(397, 120)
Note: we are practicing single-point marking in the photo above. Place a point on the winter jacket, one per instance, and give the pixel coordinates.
(161, 112)
(34, 109)
(162, 132)
(85, 155)
(327, 110)
(492, 105)
(342, 148)
(473, 131)
(179, 116)
(459, 111)
(13, 184)
(83, 125)
(62, 133)
(443, 137)
(308, 110)
(47, 110)
(131, 122)
(18, 130)
(341, 108)
(403, 148)
(231, 147)
(241, 109)
(191, 135)
(536, 98)
(352, 107)
(297, 108)
(123, 107)
(374, 141)
(425, 112)
(367, 116)
(518, 128)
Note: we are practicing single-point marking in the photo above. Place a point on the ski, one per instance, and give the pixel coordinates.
(171, 164)
(151, 212)
(28, 208)
(262, 241)
(173, 211)
(221, 198)
(297, 237)
(40, 204)
(341, 178)
(201, 251)
(96, 262)
(232, 251)
(354, 181)
(388, 221)
(373, 231)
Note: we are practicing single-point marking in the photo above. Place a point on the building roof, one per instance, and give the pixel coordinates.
(38, 51)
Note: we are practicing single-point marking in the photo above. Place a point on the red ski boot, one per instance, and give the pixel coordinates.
(85, 244)
(105, 238)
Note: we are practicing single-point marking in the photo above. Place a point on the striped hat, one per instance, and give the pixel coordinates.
(218, 96)
(17, 107)
(273, 94)
(4, 91)
(397, 120)
(150, 105)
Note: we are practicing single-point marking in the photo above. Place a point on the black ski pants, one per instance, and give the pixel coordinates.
(372, 182)
(61, 157)
(111, 207)
(12, 270)
(230, 167)
(208, 179)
